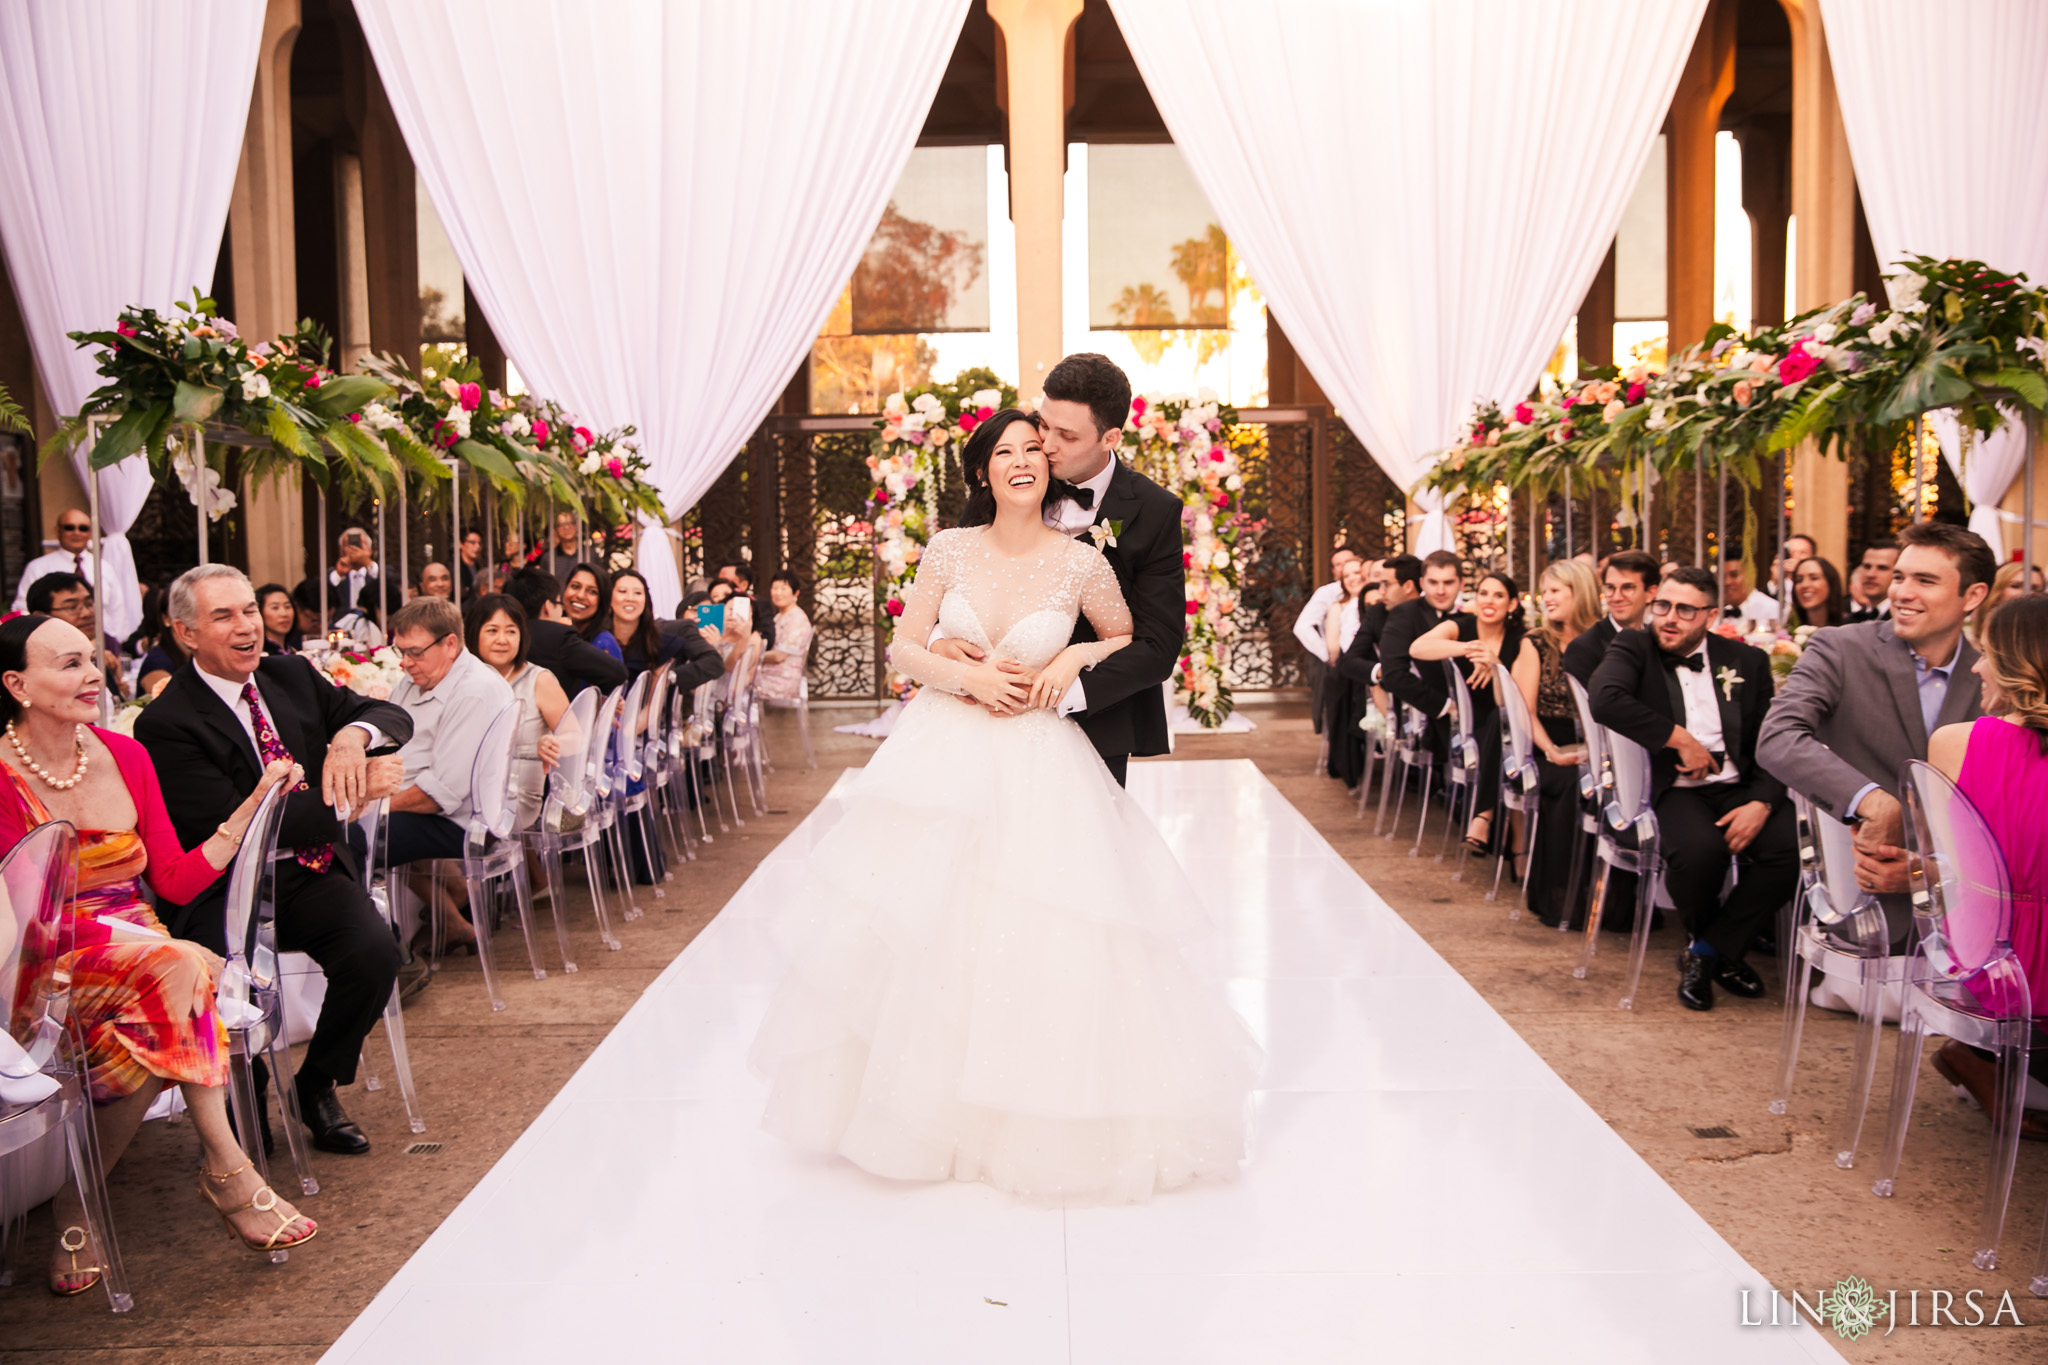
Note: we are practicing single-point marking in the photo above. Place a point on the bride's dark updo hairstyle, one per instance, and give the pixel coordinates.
(974, 457)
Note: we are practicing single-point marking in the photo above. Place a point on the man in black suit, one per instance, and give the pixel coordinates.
(1400, 583)
(1423, 687)
(1697, 702)
(1627, 583)
(1119, 702)
(210, 732)
(1870, 584)
(553, 643)
(353, 583)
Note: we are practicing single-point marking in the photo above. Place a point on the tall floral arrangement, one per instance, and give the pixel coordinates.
(430, 419)
(605, 469)
(1185, 445)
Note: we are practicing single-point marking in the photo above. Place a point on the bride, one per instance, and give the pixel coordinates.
(986, 979)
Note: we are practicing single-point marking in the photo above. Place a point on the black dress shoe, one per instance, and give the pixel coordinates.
(1738, 978)
(333, 1130)
(1695, 989)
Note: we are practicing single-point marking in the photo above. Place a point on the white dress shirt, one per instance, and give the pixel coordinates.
(356, 579)
(56, 561)
(1071, 518)
(1308, 627)
(1755, 607)
(448, 724)
(1703, 717)
(230, 694)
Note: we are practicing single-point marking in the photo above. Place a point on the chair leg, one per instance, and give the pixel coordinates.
(803, 727)
(522, 900)
(1596, 904)
(401, 1062)
(1574, 884)
(1905, 1080)
(1530, 813)
(295, 1139)
(480, 921)
(732, 791)
(1646, 911)
(615, 838)
(551, 874)
(1422, 809)
(1798, 982)
(1397, 775)
(651, 846)
(2010, 1096)
(82, 1145)
(1863, 1059)
(1454, 789)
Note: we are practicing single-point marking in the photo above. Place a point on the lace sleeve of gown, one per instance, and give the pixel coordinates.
(938, 570)
(1102, 602)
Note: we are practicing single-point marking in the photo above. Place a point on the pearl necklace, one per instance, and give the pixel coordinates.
(65, 785)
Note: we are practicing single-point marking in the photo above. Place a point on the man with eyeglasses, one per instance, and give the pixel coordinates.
(452, 697)
(1697, 701)
(1627, 582)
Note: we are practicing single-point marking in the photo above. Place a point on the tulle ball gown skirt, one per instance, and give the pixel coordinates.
(986, 979)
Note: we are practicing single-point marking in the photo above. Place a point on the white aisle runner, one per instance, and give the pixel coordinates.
(1423, 1186)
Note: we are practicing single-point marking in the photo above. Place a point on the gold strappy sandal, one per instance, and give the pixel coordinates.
(64, 1243)
(263, 1201)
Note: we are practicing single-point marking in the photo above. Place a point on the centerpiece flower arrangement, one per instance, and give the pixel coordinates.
(168, 377)
(1185, 445)
(914, 437)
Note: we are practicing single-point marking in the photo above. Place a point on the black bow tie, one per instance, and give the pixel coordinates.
(1696, 662)
(1083, 496)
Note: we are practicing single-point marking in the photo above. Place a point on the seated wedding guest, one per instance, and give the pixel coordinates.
(1400, 580)
(1422, 689)
(68, 597)
(469, 553)
(565, 548)
(1797, 548)
(1870, 585)
(164, 657)
(782, 668)
(584, 593)
(1696, 701)
(1816, 594)
(216, 724)
(1308, 629)
(452, 697)
(719, 592)
(1492, 632)
(143, 1001)
(740, 575)
(436, 581)
(1628, 581)
(72, 555)
(495, 628)
(1741, 601)
(553, 643)
(1570, 602)
(1346, 749)
(281, 632)
(2000, 762)
(1864, 699)
(306, 601)
(627, 630)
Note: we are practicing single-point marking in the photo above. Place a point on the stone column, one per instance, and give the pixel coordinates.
(1034, 85)
(1596, 318)
(1704, 86)
(1767, 199)
(352, 263)
(262, 240)
(1824, 202)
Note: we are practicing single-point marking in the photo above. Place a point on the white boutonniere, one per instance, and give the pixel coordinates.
(1730, 680)
(1104, 533)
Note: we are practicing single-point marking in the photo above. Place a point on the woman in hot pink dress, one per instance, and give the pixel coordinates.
(2001, 763)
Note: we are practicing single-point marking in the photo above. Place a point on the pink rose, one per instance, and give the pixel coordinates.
(1635, 393)
(583, 437)
(615, 467)
(540, 433)
(1524, 413)
(470, 396)
(1745, 389)
(1217, 456)
(1569, 399)
(968, 422)
(1215, 425)
(313, 381)
(1797, 364)
(1137, 407)
(895, 607)
(1193, 607)
(355, 417)
(983, 413)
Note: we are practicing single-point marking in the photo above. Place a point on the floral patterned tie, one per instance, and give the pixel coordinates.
(313, 857)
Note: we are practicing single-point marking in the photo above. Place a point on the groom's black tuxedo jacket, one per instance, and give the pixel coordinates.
(1636, 695)
(208, 765)
(1126, 707)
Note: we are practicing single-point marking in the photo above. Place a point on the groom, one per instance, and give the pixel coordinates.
(1119, 702)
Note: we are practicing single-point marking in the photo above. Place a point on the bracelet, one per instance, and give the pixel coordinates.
(222, 831)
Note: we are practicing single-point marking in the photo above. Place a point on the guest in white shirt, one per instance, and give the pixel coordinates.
(1740, 600)
(1308, 628)
(353, 583)
(452, 697)
(72, 555)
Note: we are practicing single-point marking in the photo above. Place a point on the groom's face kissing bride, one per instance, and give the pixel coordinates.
(1077, 443)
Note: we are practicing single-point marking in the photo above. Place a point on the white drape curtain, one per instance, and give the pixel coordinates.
(120, 126)
(1944, 104)
(657, 202)
(1423, 189)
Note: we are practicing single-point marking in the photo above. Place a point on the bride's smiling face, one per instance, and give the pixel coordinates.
(1017, 470)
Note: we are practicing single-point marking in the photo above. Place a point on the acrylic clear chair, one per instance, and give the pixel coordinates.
(1409, 751)
(377, 880)
(737, 731)
(52, 1103)
(635, 723)
(572, 797)
(1520, 779)
(1461, 773)
(1376, 753)
(1963, 981)
(251, 1000)
(613, 781)
(1839, 928)
(1594, 781)
(696, 741)
(665, 764)
(801, 705)
(1627, 843)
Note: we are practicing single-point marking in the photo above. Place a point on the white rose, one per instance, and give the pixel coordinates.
(1824, 333)
(1221, 560)
(1905, 288)
(929, 405)
(254, 386)
(1234, 482)
(986, 398)
(458, 421)
(591, 464)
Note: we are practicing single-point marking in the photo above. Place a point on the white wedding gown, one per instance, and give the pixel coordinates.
(986, 979)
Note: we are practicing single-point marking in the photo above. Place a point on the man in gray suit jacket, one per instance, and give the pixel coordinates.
(1864, 698)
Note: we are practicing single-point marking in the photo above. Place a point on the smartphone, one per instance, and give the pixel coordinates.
(711, 616)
